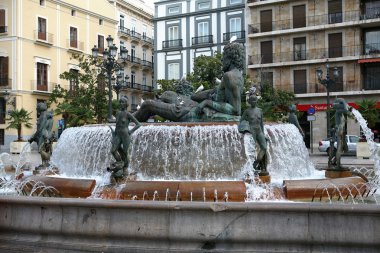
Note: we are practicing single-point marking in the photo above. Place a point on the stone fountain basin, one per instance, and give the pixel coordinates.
(32, 224)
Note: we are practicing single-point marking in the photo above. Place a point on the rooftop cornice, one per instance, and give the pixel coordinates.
(135, 9)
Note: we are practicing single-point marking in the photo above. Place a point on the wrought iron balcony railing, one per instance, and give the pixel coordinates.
(135, 34)
(44, 37)
(240, 35)
(167, 44)
(147, 88)
(373, 48)
(311, 54)
(124, 30)
(43, 85)
(76, 45)
(147, 39)
(201, 40)
(146, 63)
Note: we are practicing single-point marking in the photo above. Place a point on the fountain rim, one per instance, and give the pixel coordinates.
(194, 206)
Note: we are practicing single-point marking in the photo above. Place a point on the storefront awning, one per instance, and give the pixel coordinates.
(369, 60)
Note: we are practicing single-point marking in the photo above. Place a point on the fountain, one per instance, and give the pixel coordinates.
(195, 189)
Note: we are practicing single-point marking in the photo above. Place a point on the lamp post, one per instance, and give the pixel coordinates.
(120, 83)
(328, 83)
(111, 65)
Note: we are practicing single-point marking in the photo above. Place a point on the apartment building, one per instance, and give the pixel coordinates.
(185, 29)
(37, 39)
(135, 33)
(289, 40)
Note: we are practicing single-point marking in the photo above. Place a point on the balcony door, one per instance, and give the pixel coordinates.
(173, 35)
(335, 45)
(299, 16)
(73, 37)
(42, 76)
(266, 21)
(203, 32)
(2, 21)
(299, 48)
(335, 11)
(4, 62)
(300, 81)
(41, 28)
(235, 28)
(267, 51)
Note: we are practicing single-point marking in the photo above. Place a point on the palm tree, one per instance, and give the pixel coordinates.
(367, 107)
(18, 118)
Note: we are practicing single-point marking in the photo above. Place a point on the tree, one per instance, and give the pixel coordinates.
(85, 102)
(273, 102)
(17, 119)
(205, 71)
(369, 111)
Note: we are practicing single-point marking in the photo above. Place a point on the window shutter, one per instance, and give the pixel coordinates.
(2, 17)
(266, 52)
(299, 16)
(266, 21)
(300, 83)
(335, 45)
(338, 85)
(4, 62)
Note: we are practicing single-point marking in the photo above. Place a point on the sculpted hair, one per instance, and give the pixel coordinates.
(235, 52)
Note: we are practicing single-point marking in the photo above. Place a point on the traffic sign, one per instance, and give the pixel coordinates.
(311, 111)
(311, 118)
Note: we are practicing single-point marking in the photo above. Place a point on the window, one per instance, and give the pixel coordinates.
(299, 16)
(371, 9)
(266, 52)
(144, 54)
(172, 10)
(144, 30)
(3, 28)
(41, 28)
(173, 34)
(203, 5)
(2, 136)
(300, 81)
(133, 25)
(335, 45)
(235, 1)
(173, 71)
(266, 21)
(335, 11)
(73, 13)
(42, 76)
(133, 78)
(100, 21)
(101, 43)
(267, 78)
(235, 28)
(133, 52)
(372, 42)
(144, 79)
(371, 76)
(299, 49)
(2, 112)
(42, 2)
(73, 37)
(203, 32)
(4, 62)
(74, 81)
(122, 22)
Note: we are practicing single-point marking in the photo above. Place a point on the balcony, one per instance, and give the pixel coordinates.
(5, 83)
(75, 45)
(371, 13)
(136, 86)
(202, 41)
(303, 55)
(147, 41)
(42, 86)
(147, 65)
(135, 36)
(124, 32)
(135, 61)
(372, 49)
(3, 29)
(316, 20)
(240, 36)
(146, 88)
(43, 38)
(172, 44)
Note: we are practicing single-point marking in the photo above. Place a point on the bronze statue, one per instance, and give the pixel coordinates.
(252, 122)
(43, 136)
(228, 92)
(339, 134)
(121, 139)
(222, 103)
(294, 120)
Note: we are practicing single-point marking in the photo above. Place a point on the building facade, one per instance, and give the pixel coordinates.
(37, 39)
(135, 33)
(185, 29)
(289, 40)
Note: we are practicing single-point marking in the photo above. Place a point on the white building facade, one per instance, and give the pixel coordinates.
(185, 29)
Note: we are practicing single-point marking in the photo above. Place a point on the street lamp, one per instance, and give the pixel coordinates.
(120, 83)
(328, 83)
(111, 65)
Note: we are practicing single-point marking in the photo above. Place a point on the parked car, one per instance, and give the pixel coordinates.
(352, 140)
